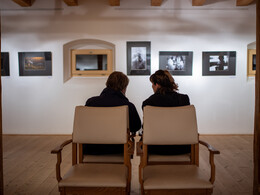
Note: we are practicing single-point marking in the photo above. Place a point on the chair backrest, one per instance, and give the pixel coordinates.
(100, 125)
(170, 125)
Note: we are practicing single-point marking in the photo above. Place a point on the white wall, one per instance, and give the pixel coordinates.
(45, 105)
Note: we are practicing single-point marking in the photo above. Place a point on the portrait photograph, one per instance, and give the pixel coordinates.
(5, 64)
(219, 63)
(138, 58)
(176, 62)
(35, 63)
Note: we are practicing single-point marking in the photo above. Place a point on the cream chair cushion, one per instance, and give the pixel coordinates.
(95, 175)
(175, 177)
(89, 122)
(181, 129)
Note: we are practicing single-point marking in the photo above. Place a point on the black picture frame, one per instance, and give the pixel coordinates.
(139, 58)
(218, 63)
(176, 62)
(5, 70)
(35, 63)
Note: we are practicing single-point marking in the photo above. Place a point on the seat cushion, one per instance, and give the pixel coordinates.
(113, 158)
(169, 158)
(95, 175)
(175, 177)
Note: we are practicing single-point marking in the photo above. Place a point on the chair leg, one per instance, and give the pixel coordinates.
(142, 191)
(62, 191)
(128, 188)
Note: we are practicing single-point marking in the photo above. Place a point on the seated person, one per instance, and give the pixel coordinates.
(166, 95)
(113, 95)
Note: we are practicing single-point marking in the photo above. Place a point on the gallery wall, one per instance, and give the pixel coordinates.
(45, 104)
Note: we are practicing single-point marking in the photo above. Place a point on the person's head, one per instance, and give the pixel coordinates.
(117, 81)
(163, 82)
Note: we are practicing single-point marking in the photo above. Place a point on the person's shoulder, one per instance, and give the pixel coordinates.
(178, 93)
(184, 95)
(185, 100)
(153, 96)
(150, 100)
(130, 104)
(91, 101)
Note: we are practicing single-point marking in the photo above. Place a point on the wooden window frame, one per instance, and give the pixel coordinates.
(86, 73)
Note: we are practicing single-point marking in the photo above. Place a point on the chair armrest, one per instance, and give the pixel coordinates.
(210, 148)
(60, 147)
(212, 152)
(57, 151)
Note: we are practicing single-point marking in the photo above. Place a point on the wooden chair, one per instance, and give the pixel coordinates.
(173, 126)
(96, 125)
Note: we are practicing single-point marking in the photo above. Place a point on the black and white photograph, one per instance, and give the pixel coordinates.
(138, 58)
(5, 64)
(176, 62)
(219, 63)
(35, 63)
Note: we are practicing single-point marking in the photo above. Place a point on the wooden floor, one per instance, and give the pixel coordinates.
(29, 167)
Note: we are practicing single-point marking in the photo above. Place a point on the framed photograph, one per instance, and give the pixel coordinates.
(35, 63)
(251, 62)
(138, 58)
(176, 62)
(219, 63)
(5, 64)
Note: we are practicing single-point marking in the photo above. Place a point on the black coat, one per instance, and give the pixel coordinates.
(110, 98)
(170, 99)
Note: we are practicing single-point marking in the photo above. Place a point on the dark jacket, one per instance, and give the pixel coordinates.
(110, 98)
(170, 99)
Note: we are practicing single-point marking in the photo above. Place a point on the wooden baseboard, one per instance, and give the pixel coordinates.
(226, 134)
(37, 134)
(136, 136)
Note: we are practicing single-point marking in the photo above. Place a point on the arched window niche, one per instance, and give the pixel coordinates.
(88, 58)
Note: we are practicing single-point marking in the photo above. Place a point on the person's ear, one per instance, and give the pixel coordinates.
(158, 86)
(124, 91)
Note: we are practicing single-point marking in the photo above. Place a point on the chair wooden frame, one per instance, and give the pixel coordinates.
(144, 162)
(76, 160)
(64, 190)
(194, 163)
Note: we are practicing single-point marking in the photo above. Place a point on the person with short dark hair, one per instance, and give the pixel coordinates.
(113, 95)
(166, 95)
